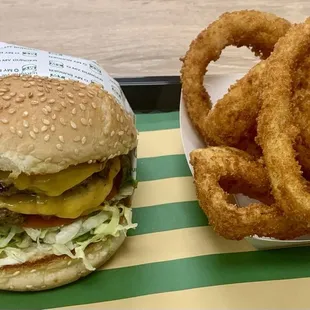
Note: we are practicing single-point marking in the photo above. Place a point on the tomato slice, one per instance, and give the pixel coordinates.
(37, 221)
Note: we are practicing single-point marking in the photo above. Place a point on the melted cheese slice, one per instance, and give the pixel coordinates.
(57, 183)
(79, 201)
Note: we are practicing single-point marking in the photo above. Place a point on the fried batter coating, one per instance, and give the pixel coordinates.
(221, 166)
(278, 127)
(233, 120)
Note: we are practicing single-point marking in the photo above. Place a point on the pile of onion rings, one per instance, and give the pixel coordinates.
(257, 136)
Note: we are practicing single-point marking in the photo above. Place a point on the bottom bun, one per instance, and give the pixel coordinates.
(54, 271)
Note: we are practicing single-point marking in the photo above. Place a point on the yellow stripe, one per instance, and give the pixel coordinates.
(159, 143)
(281, 294)
(164, 191)
(173, 244)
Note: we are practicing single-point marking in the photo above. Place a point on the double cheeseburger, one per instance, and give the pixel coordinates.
(65, 180)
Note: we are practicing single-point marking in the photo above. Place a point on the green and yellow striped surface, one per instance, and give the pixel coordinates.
(173, 259)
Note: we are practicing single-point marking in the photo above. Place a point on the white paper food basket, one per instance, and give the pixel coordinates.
(15, 59)
(217, 86)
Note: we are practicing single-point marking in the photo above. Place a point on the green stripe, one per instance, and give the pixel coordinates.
(157, 168)
(168, 217)
(201, 271)
(157, 121)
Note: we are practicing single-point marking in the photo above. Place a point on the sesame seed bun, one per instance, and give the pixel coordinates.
(54, 271)
(48, 124)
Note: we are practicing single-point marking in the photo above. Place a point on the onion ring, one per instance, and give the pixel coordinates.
(256, 30)
(277, 131)
(223, 166)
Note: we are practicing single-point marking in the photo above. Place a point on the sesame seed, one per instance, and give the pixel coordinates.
(84, 101)
(61, 139)
(32, 135)
(20, 133)
(82, 86)
(77, 138)
(35, 129)
(43, 99)
(46, 138)
(16, 273)
(33, 270)
(54, 116)
(24, 78)
(46, 121)
(84, 121)
(53, 128)
(81, 95)
(73, 111)
(6, 97)
(90, 122)
(112, 133)
(25, 113)
(6, 105)
(122, 119)
(101, 142)
(7, 83)
(93, 104)
(48, 86)
(51, 101)
(44, 128)
(4, 121)
(48, 108)
(22, 96)
(83, 140)
(25, 123)
(41, 89)
(73, 124)
(59, 147)
(58, 109)
(4, 90)
(27, 85)
(71, 101)
(61, 96)
(30, 95)
(12, 94)
(44, 111)
(33, 83)
(12, 111)
(56, 83)
(63, 104)
(75, 87)
(1, 94)
(120, 133)
(29, 286)
(34, 102)
(48, 160)
(76, 151)
(90, 161)
(19, 100)
(82, 106)
(62, 121)
(60, 88)
(69, 95)
(117, 117)
(12, 129)
(90, 95)
(115, 144)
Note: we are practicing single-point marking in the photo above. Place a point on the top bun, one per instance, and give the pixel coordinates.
(48, 124)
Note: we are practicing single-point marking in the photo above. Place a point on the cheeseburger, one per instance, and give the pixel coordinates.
(65, 180)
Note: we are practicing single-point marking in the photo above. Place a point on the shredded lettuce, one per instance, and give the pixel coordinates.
(17, 245)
